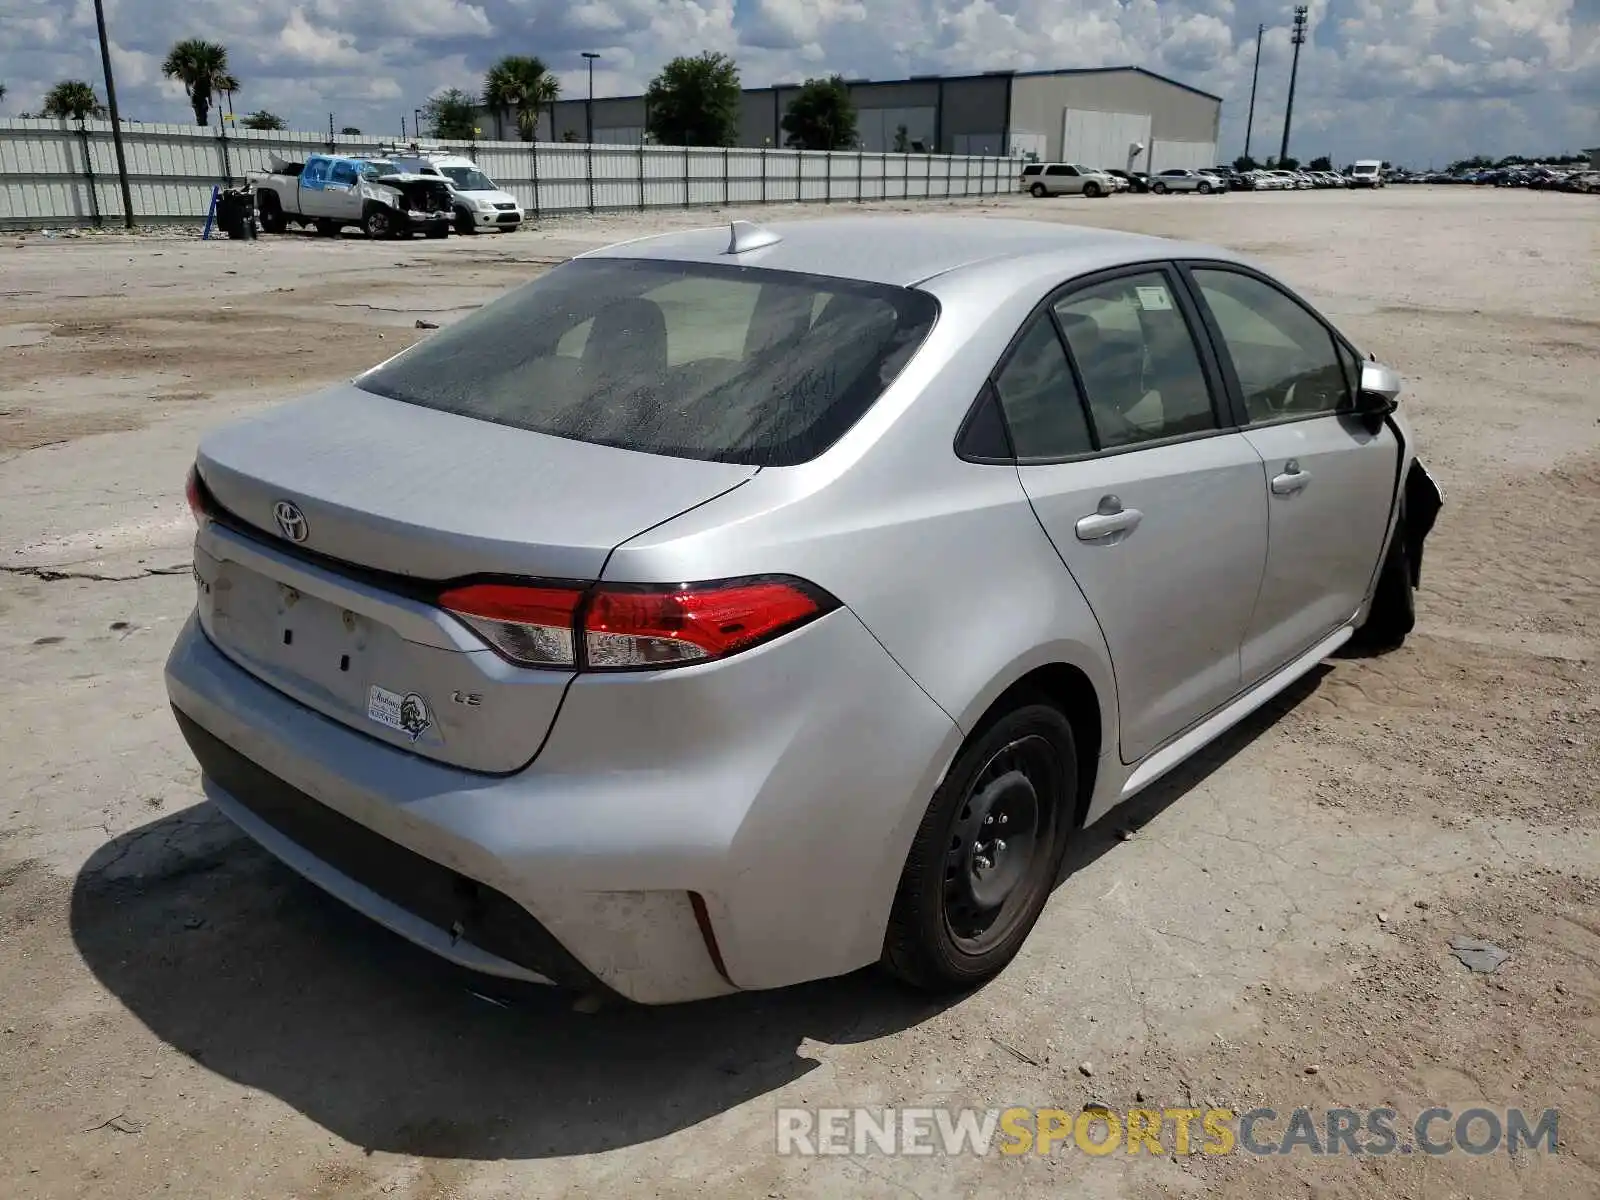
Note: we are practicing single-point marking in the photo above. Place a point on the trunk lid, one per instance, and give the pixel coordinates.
(330, 606)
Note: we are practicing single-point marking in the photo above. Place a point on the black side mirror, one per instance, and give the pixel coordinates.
(1379, 392)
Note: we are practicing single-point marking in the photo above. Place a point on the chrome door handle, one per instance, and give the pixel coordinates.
(1108, 521)
(1291, 481)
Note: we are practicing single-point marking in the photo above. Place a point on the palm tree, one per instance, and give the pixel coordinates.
(522, 83)
(203, 68)
(72, 98)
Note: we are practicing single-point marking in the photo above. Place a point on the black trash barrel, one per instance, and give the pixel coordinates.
(236, 212)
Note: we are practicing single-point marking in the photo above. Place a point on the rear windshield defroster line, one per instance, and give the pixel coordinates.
(704, 361)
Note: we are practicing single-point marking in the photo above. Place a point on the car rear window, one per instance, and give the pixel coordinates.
(720, 363)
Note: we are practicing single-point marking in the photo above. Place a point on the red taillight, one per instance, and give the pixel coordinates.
(620, 627)
(631, 627)
(195, 493)
(528, 624)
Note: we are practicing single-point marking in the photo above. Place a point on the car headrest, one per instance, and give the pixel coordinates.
(628, 337)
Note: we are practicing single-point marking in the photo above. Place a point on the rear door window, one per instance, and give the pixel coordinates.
(728, 364)
(1040, 398)
(1137, 358)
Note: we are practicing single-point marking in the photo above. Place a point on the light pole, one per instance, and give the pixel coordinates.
(588, 107)
(1298, 37)
(1255, 77)
(116, 121)
(416, 129)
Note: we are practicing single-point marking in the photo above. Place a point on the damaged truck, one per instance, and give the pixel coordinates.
(328, 192)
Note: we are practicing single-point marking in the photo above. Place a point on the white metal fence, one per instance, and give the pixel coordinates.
(58, 173)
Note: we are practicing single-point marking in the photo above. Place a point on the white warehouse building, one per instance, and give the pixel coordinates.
(1091, 116)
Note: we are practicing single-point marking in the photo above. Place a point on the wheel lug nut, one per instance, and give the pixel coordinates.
(999, 845)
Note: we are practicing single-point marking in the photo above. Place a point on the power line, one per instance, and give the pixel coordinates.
(1298, 37)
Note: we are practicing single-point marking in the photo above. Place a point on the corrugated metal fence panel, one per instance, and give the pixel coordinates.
(616, 176)
(53, 172)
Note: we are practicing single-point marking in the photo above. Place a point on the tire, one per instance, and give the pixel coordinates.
(1205, 188)
(1159, 189)
(960, 914)
(1038, 191)
(464, 223)
(272, 218)
(379, 223)
(1394, 604)
(326, 228)
(1091, 190)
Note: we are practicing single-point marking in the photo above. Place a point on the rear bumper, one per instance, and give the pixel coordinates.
(782, 789)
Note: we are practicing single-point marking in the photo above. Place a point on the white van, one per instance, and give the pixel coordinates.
(480, 204)
(1367, 173)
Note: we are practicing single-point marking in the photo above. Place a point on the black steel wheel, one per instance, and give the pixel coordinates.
(272, 218)
(986, 854)
(379, 222)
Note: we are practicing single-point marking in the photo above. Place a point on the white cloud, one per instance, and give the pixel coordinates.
(1412, 80)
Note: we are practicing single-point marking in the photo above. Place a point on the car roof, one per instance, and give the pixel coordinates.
(906, 250)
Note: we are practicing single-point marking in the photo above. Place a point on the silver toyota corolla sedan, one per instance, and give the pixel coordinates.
(743, 606)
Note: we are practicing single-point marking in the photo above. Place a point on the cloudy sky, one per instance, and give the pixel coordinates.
(1415, 81)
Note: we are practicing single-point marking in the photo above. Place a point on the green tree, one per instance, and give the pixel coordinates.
(518, 82)
(262, 119)
(72, 98)
(695, 101)
(1245, 163)
(1321, 163)
(902, 140)
(2, 91)
(821, 116)
(451, 114)
(202, 68)
(350, 131)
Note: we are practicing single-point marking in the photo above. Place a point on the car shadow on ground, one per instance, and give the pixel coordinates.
(236, 962)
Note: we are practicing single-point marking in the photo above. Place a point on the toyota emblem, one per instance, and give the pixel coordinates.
(291, 521)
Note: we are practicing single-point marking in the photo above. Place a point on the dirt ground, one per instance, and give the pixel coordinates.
(179, 1015)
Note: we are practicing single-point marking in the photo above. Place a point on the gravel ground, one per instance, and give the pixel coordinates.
(179, 1015)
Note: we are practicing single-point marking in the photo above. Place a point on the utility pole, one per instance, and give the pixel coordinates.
(1255, 78)
(1298, 37)
(588, 108)
(116, 121)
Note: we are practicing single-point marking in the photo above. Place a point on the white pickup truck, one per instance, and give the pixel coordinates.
(331, 191)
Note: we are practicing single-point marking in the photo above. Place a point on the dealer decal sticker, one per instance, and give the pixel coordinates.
(407, 712)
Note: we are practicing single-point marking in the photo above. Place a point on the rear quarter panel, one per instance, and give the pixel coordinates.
(942, 560)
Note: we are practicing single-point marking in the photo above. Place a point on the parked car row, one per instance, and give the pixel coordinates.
(1060, 179)
(1555, 179)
